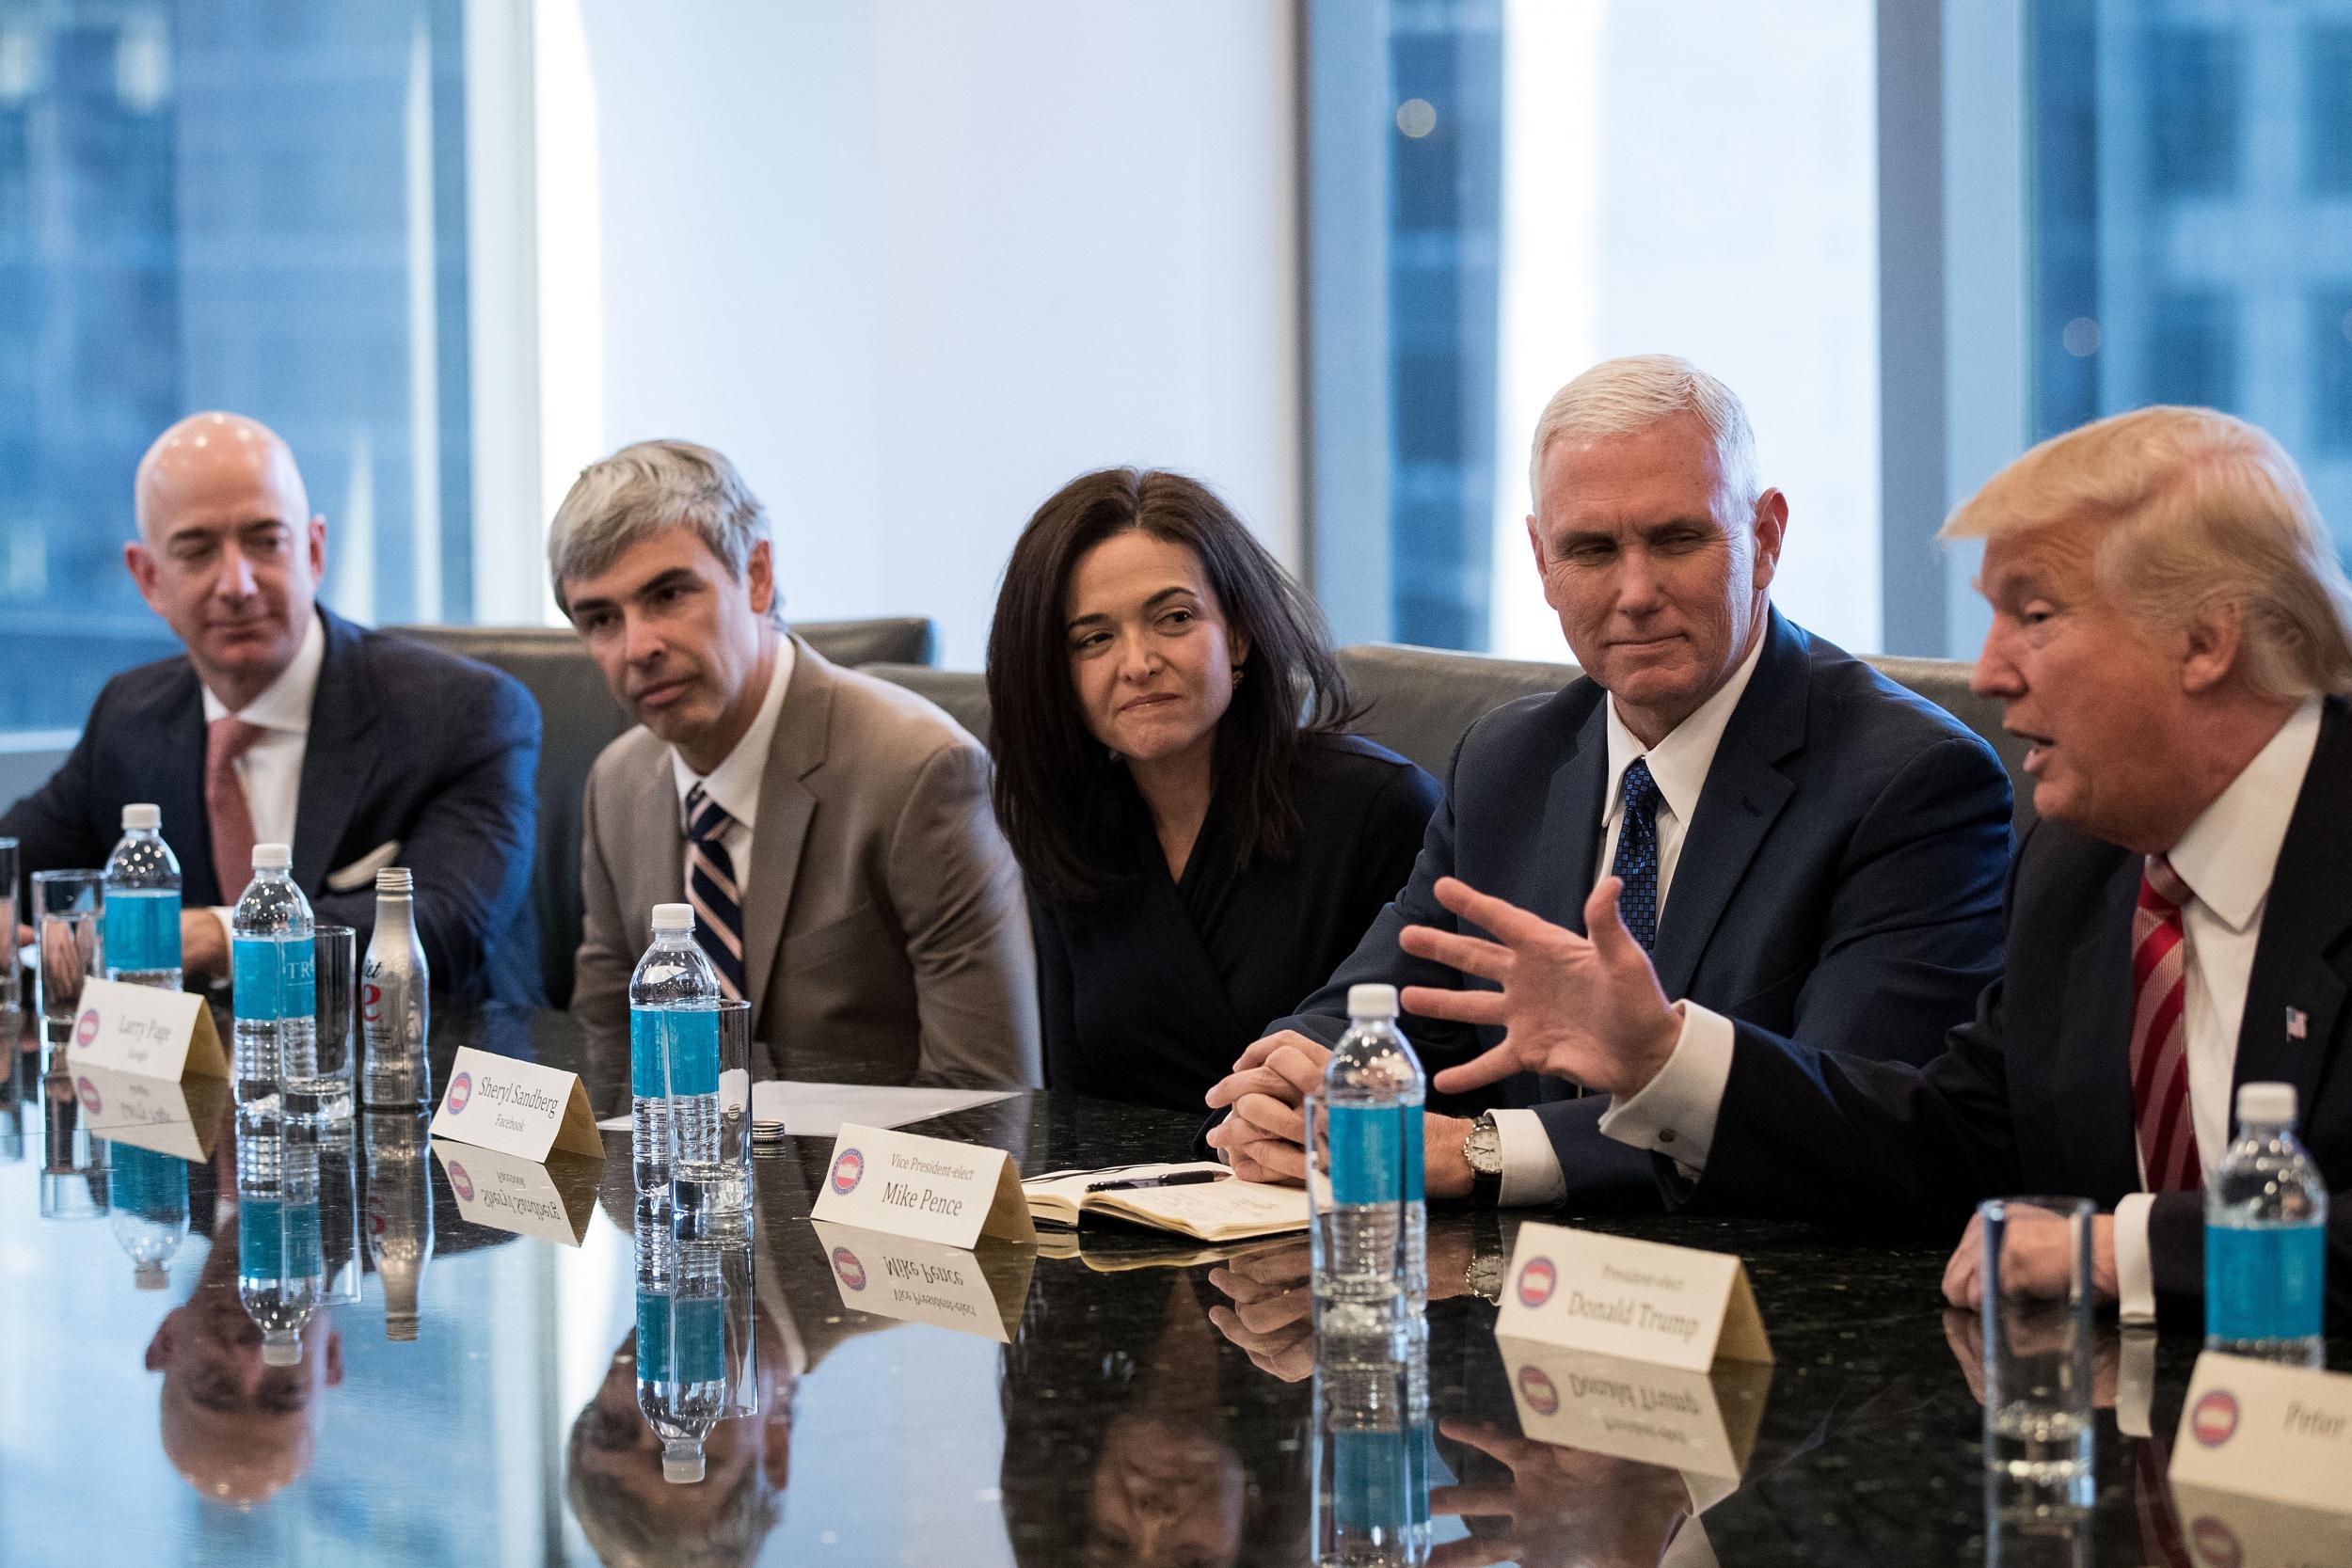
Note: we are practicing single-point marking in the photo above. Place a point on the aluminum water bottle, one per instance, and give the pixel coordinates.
(282, 1266)
(141, 913)
(2266, 1237)
(394, 1008)
(400, 1211)
(673, 1052)
(274, 964)
(149, 1208)
(1369, 1234)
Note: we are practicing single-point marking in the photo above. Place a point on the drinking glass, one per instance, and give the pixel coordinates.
(712, 1200)
(75, 1170)
(66, 907)
(8, 984)
(2038, 1352)
(323, 1098)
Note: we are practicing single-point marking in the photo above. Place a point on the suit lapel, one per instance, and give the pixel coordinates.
(2303, 919)
(786, 808)
(1744, 794)
(1572, 815)
(2090, 1052)
(337, 758)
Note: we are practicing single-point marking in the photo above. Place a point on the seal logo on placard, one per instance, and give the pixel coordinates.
(1536, 1281)
(2216, 1544)
(460, 1090)
(2213, 1421)
(86, 1027)
(849, 1169)
(853, 1273)
(460, 1183)
(88, 1091)
(1537, 1390)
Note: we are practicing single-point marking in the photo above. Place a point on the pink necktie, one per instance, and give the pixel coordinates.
(226, 740)
(2167, 1135)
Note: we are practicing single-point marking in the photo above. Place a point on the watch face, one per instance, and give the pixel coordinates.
(1482, 1147)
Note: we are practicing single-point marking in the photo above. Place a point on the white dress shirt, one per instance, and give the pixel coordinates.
(1680, 765)
(2227, 858)
(270, 772)
(735, 782)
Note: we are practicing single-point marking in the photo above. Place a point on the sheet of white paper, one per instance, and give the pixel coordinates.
(818, 1110)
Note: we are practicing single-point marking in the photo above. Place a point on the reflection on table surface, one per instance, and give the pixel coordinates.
(1155, 1403)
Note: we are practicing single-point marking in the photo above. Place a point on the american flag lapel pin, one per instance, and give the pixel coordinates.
(2298, 1023)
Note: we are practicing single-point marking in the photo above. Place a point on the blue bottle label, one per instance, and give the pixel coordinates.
(151, 1185)
(690, 1042)
(141, 928)
(698, 1340)
(273, 976)
(277, 1239)
(2265, 1282)
(1372, 1481)
(1376, 1153)
(653, 1336)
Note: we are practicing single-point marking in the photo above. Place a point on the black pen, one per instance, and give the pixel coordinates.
(1181, 1178)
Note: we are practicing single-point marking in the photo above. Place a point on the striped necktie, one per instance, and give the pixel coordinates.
(710, 887)
(2160, 1109)
(1636, 864)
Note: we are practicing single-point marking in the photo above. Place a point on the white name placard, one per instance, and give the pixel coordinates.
(161, 1113)
(927, 1188)
(1639, 1301)
(2223, 1529)
(516, 1107)
(978, 1292)
(1700, 1423)
(506, 1193)
(147, 1030)
(2282, 1433)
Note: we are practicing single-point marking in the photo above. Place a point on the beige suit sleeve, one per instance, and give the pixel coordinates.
(958, 892)
(601, 969)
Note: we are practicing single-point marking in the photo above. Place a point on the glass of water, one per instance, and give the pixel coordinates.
(711, 1200)
(2038, 1350)
(8, 870)
(65, 936)
(323, 1098)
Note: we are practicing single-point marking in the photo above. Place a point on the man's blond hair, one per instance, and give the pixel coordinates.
(2196, 509)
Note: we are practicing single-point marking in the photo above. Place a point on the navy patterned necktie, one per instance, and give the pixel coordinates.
(710, 887)
(1636, 865)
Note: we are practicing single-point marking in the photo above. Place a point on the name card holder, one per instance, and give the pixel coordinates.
(552, 1201)
(933, 1190)
(1638, 1301)
(180, 1118)
(980, 1293)
(2260, 1430)
(516, 1107)
(1699, 1424)
(146, 1031)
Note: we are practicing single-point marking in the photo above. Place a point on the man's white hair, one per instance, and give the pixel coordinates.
(1618, 397)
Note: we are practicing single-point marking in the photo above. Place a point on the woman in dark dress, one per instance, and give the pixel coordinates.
(1203, 843)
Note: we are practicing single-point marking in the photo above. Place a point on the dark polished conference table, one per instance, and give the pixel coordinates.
(1144, 1405)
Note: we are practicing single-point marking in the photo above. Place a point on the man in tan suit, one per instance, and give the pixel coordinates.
(832, 831)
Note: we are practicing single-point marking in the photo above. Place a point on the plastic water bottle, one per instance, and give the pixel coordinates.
(274, 964)
(400, 1213)
(141, 918)
(681, 1346)
(1372, 1461)
(2266, 1237)
(673, 1052)
(281, 1268)
(1370, 1235)
(395, 1010)
(149, 1201)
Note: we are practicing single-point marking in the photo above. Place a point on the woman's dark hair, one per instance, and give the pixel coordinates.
(1057, 798)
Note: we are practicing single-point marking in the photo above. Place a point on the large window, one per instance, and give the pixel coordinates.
(256, 205)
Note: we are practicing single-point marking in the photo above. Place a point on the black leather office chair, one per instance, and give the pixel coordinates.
(579, 717)
(962, 692)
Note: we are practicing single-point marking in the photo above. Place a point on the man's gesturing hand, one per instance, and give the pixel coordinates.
(1582, 1009)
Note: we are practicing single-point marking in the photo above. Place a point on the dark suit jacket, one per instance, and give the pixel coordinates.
(407, 746)
(1908, 1150)
(1841, 876)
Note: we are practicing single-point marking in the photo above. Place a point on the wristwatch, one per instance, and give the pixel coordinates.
(1483, 1275)
(1482, 1146)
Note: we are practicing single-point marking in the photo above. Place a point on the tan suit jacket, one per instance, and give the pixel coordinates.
(882, 911)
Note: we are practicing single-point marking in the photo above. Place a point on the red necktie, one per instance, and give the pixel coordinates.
(226, 740)
(2167, 1135)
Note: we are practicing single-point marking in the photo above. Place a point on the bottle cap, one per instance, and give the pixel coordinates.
(142, 817)
(1372, 1001)
(148, 1274)
(280, 1348)
(272, 857)
(673, 917)
(395, 878)
(682, 1462)
(2266, 1102)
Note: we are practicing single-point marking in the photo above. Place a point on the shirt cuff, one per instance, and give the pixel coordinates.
(1532, 1177)
(1675, 1113)
(2135, 1272)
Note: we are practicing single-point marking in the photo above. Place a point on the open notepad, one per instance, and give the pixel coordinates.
(1225, 1209)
